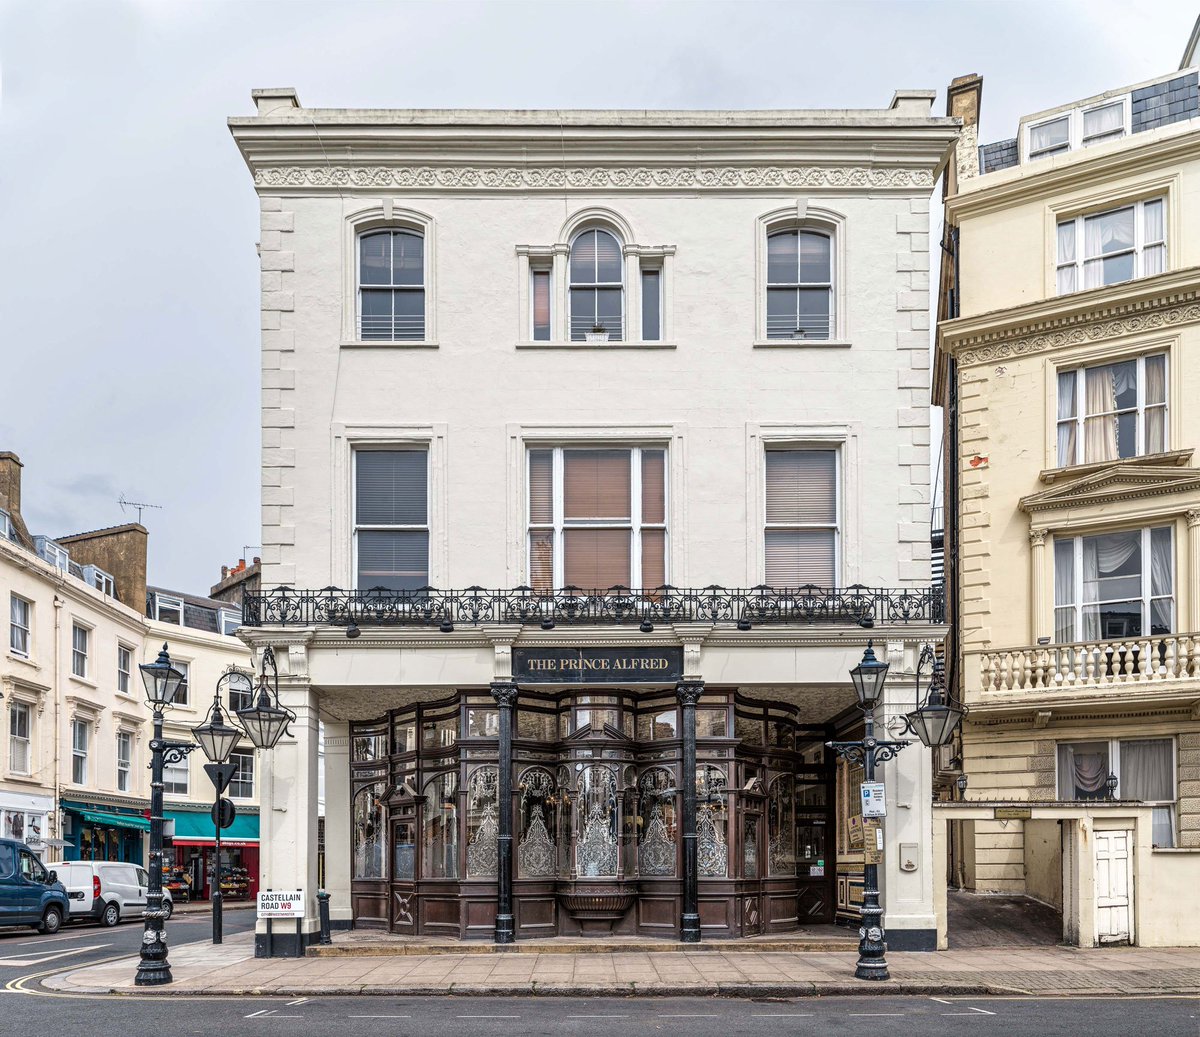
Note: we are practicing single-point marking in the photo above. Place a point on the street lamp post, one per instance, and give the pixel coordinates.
(162, 682)
(934, 722)
(218, 740)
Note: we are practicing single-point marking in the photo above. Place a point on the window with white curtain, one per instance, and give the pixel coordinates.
(124, 759)
(81, 639)
(1114, 585)
(391, 519)
(801, 527)
(19, 624)
(597, 286)
(1079, 128)
(1144, 769)
(597, 517)
(124, 668)
(1110, 411)
(1109, 247)
(800, 284)
(391, 285)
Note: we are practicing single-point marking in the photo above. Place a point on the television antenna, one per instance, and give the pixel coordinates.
(127, 504)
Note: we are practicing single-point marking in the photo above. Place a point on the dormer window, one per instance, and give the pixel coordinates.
(51, 552)
(1078, 128)
(168, 609)
(96, 577)
(7, 530)
(228, 620)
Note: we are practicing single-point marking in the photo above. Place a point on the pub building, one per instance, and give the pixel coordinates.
(595, 453)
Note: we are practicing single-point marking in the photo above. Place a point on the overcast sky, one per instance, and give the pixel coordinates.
(132, 369)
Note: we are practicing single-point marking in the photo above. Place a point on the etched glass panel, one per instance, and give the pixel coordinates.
(439, 839)
(482, 822)
(781, 826)
(657, 824)
(712, 851)
(596, 851)
(368, 832)
(750, 847)
(537, 853)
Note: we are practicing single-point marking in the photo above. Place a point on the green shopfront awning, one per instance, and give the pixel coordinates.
(194, 828)
(97, 817)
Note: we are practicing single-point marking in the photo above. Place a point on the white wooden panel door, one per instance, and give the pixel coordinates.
(1114, 887)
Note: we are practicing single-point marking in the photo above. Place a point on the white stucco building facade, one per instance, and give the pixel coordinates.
(681, 352)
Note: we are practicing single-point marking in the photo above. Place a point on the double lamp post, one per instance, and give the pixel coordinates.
(934, 722)
(263, 720)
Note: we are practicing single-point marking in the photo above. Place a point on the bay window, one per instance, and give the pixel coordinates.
(391, 519)
(1114, 585)
(801, 531)
(1111, 411)
(1109, 247)
(1144, 769)
(597, 517)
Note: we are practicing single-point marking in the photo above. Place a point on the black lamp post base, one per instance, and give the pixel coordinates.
(152, 974)
(873, 968)
(689, 928)
(505, 929)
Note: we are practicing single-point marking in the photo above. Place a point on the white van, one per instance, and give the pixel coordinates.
(106, 891)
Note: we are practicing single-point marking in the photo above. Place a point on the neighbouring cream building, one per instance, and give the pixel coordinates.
(645, 396)
(74, 753)
(1066, 361)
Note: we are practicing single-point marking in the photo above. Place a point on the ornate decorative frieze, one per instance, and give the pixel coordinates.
(1075, 329)
(557, 178)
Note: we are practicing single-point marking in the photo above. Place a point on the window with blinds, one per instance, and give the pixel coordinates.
(801, 532)
(391, 519)
(597, 291)
(597, 517)
(391, 286)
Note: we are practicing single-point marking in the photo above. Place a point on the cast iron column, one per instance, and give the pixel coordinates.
(688, 693)
(154, 969)
(871, 961)
(505, 694)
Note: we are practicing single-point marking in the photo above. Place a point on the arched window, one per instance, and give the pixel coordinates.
(439, 842)
(597, 300)
(800, 284)
(391, 285)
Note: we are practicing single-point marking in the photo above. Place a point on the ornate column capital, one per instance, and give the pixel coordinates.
(689, 692)
(1037, 537)
(1193, 517)
(505, 693)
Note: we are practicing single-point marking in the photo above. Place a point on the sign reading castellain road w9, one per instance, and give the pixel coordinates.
(281, 903)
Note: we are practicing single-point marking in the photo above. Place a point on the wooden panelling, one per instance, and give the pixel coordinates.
(536, 915)
(480, 915)
(439, 914)
(657, 912)
(717, 914)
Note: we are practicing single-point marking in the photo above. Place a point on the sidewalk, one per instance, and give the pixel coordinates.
(231, 969)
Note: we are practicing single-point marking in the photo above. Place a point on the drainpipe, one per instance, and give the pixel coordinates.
(56, 811)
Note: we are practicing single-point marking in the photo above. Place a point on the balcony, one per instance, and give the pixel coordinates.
(1155, 668)
(614, 606)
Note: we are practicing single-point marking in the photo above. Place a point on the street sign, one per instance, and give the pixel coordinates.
(873, 804)
(223, 812)
(872, 841)
(220, 774)
(286, 903)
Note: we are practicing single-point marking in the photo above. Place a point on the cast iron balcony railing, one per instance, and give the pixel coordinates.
(744, 607)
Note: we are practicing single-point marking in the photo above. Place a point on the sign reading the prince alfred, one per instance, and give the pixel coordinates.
(597, 665)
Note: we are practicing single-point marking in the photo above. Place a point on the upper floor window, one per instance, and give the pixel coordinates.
(391, 285)
(1114, 585)
(19, 625)
(799, 284)
(20, 759)
(1110, 411)
(79, 752)
(801, 534)
(597, 518)
(1109, 247)
(175, 778)
(8, 530)
(241, 785)
(124, 759)
(81, 640)
(124, 668)
(391, 519)
(168, 609)
(597, 290)
(1080, 127)
(181, 693)
(228, 620)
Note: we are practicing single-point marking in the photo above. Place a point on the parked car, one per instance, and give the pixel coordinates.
(106, 891)
(29, 893)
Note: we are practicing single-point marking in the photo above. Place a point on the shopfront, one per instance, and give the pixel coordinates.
(596, 812)
(26, 818)
(105, 832)
(190, 863)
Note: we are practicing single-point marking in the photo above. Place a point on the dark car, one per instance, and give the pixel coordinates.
(29, 894)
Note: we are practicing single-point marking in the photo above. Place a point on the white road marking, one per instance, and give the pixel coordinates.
(940, 1001)
(381, 1017)
(57, 939)
(22, 960)
(689, 1017)
(261, 1011)
(298, 1001)
(875, 1015)
(597, 1017)
(781, 1015)
(981, 1011)
(487, 1017)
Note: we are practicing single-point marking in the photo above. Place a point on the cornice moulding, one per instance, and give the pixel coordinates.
(1149, 304)
(590, 178)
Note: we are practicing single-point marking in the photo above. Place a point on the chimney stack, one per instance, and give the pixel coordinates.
(10, 482)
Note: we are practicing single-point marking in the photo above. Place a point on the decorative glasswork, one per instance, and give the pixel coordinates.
(712, 851)
(439, 838)
(656, 844)
(596, 851)
(482, 824)
(404, 850)
(369, 860)
(781, 826)
(537, 853)
(750, 848)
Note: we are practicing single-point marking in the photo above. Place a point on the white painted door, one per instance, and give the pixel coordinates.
(1114, 887)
